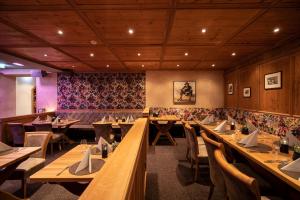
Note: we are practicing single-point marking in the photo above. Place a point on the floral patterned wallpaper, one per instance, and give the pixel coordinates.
(101, 91)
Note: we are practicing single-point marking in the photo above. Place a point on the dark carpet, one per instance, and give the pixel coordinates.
(169, 177)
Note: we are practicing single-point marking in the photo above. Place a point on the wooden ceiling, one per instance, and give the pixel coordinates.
(167, 33)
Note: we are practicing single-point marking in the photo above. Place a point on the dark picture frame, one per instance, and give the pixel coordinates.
(184, 92)
(273, 80)
(230, 88)
(247, 92)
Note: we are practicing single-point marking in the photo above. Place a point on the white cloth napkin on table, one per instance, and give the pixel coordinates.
(85, 162)
(250, 126)
(293, 140)
(221, 127)
(110, 118)
(293, 166)
(127, 120)
(55, 121)
(131, 119)
(4, 147)
(231, 120)
(103, 120)
(250, 140)
(103, 141)
(48, 118)
(38, 119)
(206, 120)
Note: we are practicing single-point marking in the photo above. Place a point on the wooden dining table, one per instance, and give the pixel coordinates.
(9, 160)
(114, 124)
(163, 124)
(59, 125)
(263, 154)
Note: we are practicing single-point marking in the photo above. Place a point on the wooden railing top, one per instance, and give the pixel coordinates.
(15, 118)
(116, 177)
(146, 112)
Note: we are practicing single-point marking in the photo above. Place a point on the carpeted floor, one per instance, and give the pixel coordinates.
(169, 178)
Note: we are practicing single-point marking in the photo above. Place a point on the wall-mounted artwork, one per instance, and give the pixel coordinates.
(247, 92)
(230, 88)
(184, 92)
(273, 81)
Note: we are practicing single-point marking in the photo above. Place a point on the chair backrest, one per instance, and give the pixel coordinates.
(192, 137)
(17, 132)
(238, 185)
(215, 171)
(103, 130)
(43, 127)
(38, 139)
(125, 128)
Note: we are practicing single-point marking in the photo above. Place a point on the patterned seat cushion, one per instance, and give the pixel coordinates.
(31, 163)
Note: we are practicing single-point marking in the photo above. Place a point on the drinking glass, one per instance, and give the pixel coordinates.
(275, 149)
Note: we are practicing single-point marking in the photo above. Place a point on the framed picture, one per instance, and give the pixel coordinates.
(273, 81)
(230, 88)
(184, 92)
(247, 92)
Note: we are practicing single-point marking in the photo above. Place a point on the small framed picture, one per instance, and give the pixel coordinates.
(247, 92)
(273, 81)
(230, 88)
(184, 92)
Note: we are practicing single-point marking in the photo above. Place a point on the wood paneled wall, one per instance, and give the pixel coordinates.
(285, 101)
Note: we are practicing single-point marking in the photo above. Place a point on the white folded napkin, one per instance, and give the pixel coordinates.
(211, 119)
(110, 118)
(55, 121)
(231, 120)
(103, 120)
(221, 127)
(206, 120)
(127, 120)
(250, 126)
(103, 141)
(293, 166)
(48, 118)
(4, 147)
(85, 162)
(250, 140)
(131, 119)
(293, 140)
(38, 119)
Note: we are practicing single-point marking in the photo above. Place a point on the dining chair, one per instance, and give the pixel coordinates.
(215, 173)
(7, 196)
(198, 153)
(125, 128)
(238, 184)
(103, 130)
(36, 161)
(17, 132)
(55, 137)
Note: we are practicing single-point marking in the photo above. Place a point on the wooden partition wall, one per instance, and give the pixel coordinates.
(4, 133)
(284, 101)
(123, 176)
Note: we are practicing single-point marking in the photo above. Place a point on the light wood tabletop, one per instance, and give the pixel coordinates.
(15, 155)
(113, 124)
(262, 154)
(62, 123)
(165, 118)
(58, 171)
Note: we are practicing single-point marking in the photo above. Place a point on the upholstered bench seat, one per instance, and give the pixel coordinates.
(82, 126)
(31, 163)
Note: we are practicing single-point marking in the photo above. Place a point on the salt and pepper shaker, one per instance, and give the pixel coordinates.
(232, 126)
(284, 145)
(104, 150)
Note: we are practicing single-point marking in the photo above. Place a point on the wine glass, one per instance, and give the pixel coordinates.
(275, 149)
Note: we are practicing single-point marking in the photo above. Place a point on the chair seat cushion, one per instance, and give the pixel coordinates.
(82, 126)
(264, 186)
(202, 156)
(31, 163)
(200, 141)
(270, 198)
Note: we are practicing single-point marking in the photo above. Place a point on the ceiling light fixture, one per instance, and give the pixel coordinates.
(18, 64)
(92, 54)
(93, 42)
(276, 30)
(60, 32)
(130, 31)
(233, 54)
(178, 65)
(107, 66)
(143, 66)
(203, 30)
(139, 54)
(73, 66)
(186, 53)
(45, 55)
(213, 65)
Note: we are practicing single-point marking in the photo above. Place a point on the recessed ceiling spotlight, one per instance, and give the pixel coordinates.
(130, 31)
(45, 55)
(139, 54)
(92, 54)
(233, 54)
(213, 65)
(178, 65)
(186, 53)
(143, 66)
(276, 30)
(18, 64)
(73, 66)
(60, 32)
(107, 66)
(93, 42)
(203, 30)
